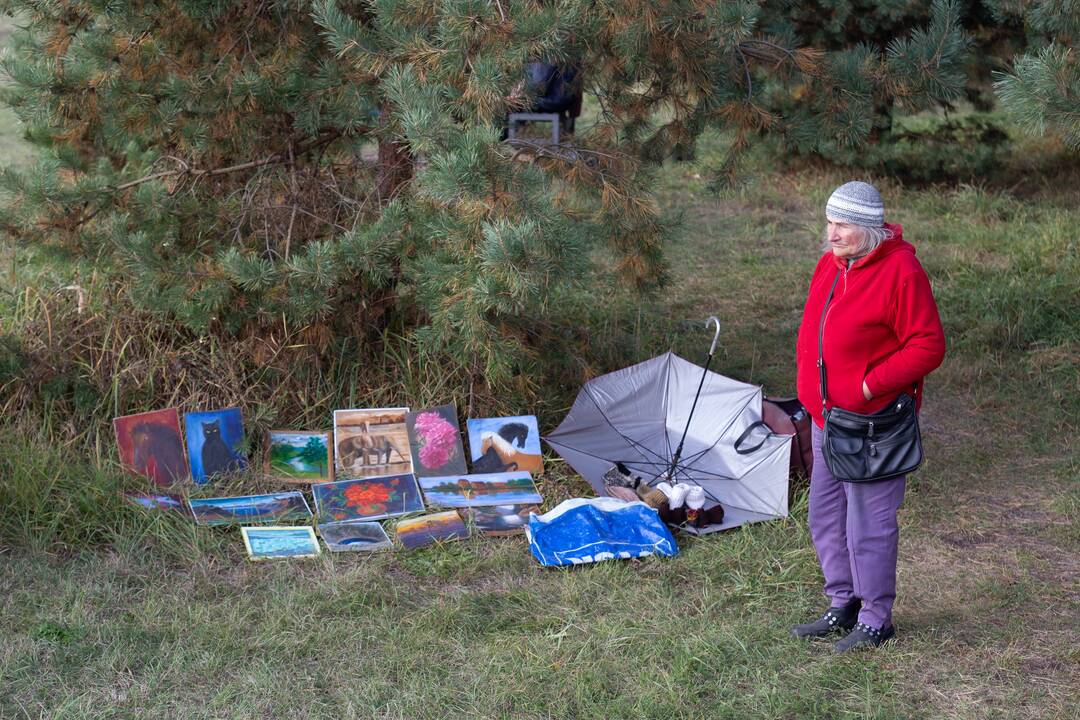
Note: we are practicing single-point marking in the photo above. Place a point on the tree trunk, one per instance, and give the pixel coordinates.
(395, 169)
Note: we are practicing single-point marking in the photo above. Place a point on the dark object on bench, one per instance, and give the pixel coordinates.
(557, 92)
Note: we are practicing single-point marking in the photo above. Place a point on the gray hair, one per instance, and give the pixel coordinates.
(871, 238)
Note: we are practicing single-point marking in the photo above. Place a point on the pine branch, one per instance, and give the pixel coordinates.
(186, 170)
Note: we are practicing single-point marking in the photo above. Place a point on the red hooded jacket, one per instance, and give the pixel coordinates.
(882, 327)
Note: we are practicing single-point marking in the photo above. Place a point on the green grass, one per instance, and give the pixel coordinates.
(111, 611)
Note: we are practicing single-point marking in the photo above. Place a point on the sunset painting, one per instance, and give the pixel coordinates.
(424, 530)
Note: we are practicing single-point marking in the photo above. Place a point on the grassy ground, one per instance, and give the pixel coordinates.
(160, 619)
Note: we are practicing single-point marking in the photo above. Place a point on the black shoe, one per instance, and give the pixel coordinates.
(864, 636)
(834, 620)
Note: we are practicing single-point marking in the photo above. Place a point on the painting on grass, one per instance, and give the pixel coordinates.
(214, 441)
(299, 456)
(505, 444)
(269, 543)
(151, 445)
(156, 501)
(500, 519)
(276, 507)
(512, 488)
(435, 441)
(371, 443)
(354, 537)
(426, 529)
(366, 498)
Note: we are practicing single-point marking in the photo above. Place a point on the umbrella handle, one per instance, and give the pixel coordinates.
(716, 337)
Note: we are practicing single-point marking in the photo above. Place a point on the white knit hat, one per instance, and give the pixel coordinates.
(858, 203)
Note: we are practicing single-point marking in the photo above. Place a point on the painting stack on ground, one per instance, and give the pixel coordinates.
(376, 466)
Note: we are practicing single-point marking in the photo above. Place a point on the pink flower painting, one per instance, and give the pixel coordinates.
(435, 440)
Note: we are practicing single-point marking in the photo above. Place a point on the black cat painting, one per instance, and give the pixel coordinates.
(215, 440)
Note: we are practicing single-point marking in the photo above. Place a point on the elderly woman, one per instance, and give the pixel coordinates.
(880, 337)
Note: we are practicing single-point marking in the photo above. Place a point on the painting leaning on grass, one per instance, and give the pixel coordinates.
(299, 456)
(269, 543)
(215, 440)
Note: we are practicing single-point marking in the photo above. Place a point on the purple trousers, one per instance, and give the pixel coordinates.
(855, 533)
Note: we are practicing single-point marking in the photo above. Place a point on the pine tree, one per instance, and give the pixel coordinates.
(1042, 89)
(250, 167)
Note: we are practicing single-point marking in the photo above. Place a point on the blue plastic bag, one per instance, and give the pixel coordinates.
(588, 530)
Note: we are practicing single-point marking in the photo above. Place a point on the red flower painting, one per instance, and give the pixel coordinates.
(367, 498)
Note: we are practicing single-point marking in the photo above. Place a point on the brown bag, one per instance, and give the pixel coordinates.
(787, 416)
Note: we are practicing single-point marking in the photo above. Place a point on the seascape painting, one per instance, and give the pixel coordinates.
(156, 501)
(512, 488)
(435, 441)
(215, 440)
(150, 445)
(275, 507)
(366, 498)
(500, 519)
(299, 456)
(371, 443)
(354, 537)
(505, 444)
(268, 543)
(424, 530)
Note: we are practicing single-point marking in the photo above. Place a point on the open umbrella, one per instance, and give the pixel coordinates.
(649, 418)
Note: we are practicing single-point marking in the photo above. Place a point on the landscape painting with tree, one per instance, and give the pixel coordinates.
(150, 445)
(299, 455)
(435, 440)
(514, 488)
(372, 442)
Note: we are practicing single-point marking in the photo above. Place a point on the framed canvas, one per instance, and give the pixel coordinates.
(151, 446)
(275, 507)
(371, 443)
(513, 488)
(215, 441)
(435, 441)
(275, 542)
(354, 537)
(366, 498)
(505, 444)
(300, 456)
(500, 519)
(426, 529)
(156, 501)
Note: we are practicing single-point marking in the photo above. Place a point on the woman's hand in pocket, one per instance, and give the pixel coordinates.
(866, 391)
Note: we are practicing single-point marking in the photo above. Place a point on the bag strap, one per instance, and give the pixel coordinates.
(820, 338)
(746, 433)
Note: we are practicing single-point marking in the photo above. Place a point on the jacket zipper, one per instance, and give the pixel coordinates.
(833, 304)
(825, 322)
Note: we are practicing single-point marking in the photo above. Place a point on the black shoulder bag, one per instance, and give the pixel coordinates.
(865, 448)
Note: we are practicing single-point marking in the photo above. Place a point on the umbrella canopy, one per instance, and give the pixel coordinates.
(637, 416)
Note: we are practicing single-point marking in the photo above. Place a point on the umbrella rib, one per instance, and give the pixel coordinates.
(748, 488)
(600, 457)
(667, 404)
(633, 443)
(696, 456)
